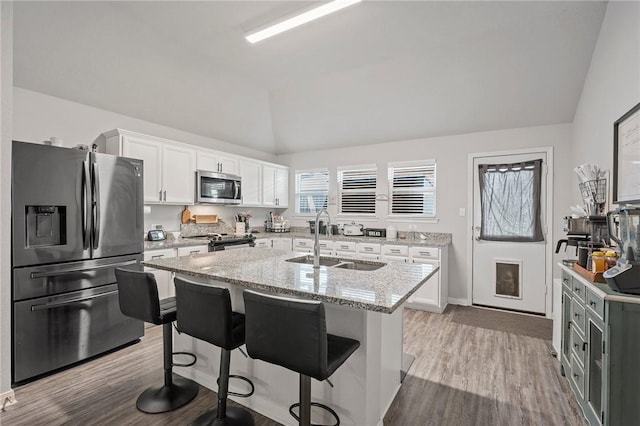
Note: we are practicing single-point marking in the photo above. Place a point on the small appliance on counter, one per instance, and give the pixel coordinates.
(156, 235)
(625, 275)
(586, 234)
(375, 232)
(353, 229)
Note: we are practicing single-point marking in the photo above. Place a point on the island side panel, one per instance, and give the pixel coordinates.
(364, 386)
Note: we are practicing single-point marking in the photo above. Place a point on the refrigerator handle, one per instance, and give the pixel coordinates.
(61, 271)
(96, 206)
(70, 301)
(85, 202)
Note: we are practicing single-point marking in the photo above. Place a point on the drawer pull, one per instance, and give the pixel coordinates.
(194, 252)
(577, 315)
(575, 375)
(592, 303)
(576, 345)
(157, 256)
(576, 289)
(368, 249)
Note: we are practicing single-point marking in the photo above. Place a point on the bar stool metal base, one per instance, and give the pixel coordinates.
(235, 416)
(160, 399)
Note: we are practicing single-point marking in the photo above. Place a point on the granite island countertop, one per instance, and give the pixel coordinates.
(382, 290)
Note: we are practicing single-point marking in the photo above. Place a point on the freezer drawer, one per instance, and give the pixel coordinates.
(54, 332)
(49, 280)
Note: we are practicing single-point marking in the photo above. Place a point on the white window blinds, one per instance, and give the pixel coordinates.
(412, 188)
(312, 190)
(357, 190)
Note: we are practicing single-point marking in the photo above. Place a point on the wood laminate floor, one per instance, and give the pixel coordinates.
(462, 375)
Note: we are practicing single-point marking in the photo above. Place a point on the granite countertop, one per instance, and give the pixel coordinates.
(382, 290)
(432, 239)
(602, 290)
(174, 242)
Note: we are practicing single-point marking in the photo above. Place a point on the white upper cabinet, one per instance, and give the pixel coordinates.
(212, 161)
(282, 186)
(275, 186)
(250, 172)
(178, 174)
(150, 152)
(168, 168)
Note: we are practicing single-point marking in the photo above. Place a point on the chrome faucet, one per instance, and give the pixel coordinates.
(316, 244)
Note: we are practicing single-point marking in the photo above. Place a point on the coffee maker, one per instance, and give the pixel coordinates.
(585, 234)
(624, 228)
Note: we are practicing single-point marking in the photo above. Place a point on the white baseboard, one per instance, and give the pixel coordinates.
(7, 398)
(456, 301)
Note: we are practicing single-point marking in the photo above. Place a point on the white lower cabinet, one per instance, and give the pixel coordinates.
(164, 279)
(274, 243)
(303, 244)
(433, 294)
(394, 253)
(186, 251)
(263, 243)
(368, 251)
(282, 244)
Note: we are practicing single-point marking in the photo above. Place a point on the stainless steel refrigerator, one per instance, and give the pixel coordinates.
(76, 216)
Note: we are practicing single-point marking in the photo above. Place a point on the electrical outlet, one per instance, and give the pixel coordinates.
(462, 211)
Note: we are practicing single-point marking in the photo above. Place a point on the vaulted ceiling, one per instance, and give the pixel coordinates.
(377, 71)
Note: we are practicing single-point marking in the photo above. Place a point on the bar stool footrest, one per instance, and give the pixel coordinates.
(238, 394)
(186, 364)
(315, 404)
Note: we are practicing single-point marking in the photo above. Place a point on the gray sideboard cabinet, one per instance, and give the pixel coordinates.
(600, 350)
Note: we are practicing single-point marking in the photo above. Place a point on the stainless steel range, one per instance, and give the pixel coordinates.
(218, 242)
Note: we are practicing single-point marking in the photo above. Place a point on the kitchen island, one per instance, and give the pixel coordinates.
(360, 304)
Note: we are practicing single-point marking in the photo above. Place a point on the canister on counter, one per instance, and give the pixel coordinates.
(598, 262)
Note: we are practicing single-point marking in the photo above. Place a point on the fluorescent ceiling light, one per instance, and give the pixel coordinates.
(298, 20)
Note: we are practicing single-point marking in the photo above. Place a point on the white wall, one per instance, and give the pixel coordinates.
(37, 117)
(451, 154)
(612, 86)
(6, 87)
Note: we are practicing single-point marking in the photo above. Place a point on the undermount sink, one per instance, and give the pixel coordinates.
(355, 265)
(308, 260)
(360, 266)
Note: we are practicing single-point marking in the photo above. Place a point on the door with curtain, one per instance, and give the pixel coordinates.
(509, 246)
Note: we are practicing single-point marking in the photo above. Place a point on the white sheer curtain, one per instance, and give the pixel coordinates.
(510, 201)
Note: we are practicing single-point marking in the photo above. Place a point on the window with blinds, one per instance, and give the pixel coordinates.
(412, 188)
(312, 190)
(357, 190)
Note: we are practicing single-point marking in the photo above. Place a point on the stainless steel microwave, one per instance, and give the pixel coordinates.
(218, 188)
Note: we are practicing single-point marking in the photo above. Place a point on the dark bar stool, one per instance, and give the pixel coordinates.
(293, 334)
(138, 296)
(204, 312)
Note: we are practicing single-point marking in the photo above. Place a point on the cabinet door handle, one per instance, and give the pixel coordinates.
(576, 315)
(157, 256)
(592, 303)
(576, 345)
(165, 195)
(160, 195)
(584, 346)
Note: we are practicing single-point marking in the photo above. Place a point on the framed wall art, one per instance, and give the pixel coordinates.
(626, 157)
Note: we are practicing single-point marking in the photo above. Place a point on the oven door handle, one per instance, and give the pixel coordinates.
(53, 305)
(60, 272)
